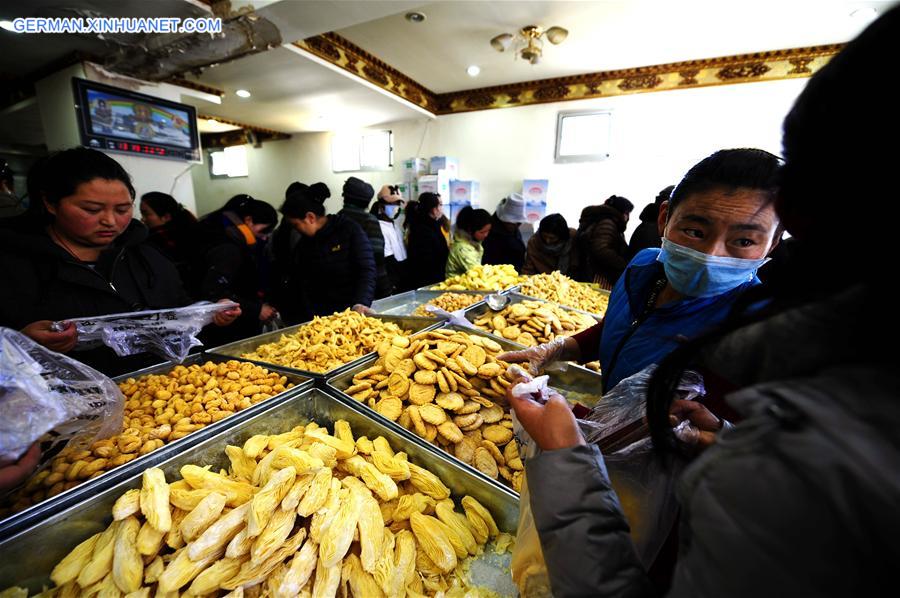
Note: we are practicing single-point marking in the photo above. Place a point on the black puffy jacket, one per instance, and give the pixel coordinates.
(43, 282)
(427, 252)
(369, 223)
(330, 272)
(503, 247)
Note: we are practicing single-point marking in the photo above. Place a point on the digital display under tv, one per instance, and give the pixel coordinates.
(119, 120)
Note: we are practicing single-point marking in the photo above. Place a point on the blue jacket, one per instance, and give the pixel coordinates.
(664, 328)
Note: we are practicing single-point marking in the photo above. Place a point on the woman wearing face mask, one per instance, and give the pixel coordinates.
(387, 209)
(426, 243)
(552, 248)
(472, 228)
(77, 252)
(718, 228)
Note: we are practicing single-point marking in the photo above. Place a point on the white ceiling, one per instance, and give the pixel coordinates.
(603, 35)
(290, 93)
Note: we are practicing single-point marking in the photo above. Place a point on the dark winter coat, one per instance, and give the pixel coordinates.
(427, 252)
(647, 233)
(797, 499)
(179, 244)
(332, 271)
(370, 226)
(540, 259)
(43, 282)
(227, 266)
(601, 244)
(502, 246)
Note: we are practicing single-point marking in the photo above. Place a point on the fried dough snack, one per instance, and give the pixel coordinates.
(448, 302)
(351, 535)
(447, 387)
(159, 408)
(327, 342)
(483, 278)
(532, 323)
(561, 289)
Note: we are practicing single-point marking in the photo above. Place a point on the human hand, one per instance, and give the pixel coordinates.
(701, 418)
(14, 473)
(363, 309)
(267, 312)
(551, 425)
(539, 357)
(226, 317)
(42, 333)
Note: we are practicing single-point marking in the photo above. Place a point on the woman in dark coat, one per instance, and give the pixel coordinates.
(646, 234)
(228, 263)
(552, 248)
(77, 253)
(504, 244)
(601, 241)
(173, 229)
(333, 266)
(426, 244)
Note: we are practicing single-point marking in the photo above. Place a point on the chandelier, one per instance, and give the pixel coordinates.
(528, 41)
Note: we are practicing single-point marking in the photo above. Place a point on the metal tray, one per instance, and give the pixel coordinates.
(577, 384)
(479, 309)
(404, 304)
(44, 544)
(236, 349)
(594, 287)
(433, 287)
(89, 488)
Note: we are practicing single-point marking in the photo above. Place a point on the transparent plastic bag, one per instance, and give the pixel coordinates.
(643, 480)
(169, 333)
(47, 396)
(529, 571)
(274, 323)
(454, 317)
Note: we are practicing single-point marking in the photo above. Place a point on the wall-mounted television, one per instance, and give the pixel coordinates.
(119, 120)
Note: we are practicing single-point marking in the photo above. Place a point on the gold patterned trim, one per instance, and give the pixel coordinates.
(196, 86)
(237, 136)
(727, 70)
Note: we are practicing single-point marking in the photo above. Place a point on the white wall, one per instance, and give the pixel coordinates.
(58, 117)
(656, 137)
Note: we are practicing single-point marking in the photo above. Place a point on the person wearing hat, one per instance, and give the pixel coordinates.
(357, 195)
(387, 209)
(332, 268)
(504, 244)
(601, 241)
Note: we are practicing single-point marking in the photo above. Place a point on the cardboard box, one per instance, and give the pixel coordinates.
(436, 183)
(535, 211)
(409, 190)
(465, 192)
(535, 190)
(415, 167)
(451, 165)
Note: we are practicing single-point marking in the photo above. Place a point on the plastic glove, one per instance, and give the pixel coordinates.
(540, 357)
(363, 309)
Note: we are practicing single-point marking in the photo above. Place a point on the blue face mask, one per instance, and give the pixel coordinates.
(391, 211)
(697, 274)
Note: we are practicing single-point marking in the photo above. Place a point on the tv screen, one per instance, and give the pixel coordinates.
(119, 120)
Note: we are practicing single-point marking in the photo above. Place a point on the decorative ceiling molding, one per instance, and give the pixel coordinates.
(195, 86)
(342, 53)
(728, 70)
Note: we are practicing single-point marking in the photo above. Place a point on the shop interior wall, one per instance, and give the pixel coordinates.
(656, 137)
(60, 125)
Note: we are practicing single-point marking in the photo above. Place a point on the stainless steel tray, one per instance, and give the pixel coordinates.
(433, 287)
(479, 309)
(404, 304)
(236, 349)
(44, 544)
(576, 384)
(518, 289)
(89, 488)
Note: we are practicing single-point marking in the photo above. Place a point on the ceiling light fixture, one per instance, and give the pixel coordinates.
(415, 17)
(529, 42)
(8, 26)
(242, 93)
(473, 70)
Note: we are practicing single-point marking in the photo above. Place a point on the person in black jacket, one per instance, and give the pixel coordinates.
(228, 263)
(646, 234)
(173, 229)
(601, 241)
(504, 244)
(333, 267)
(77, 253)
(426, 244)
(357, 195)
